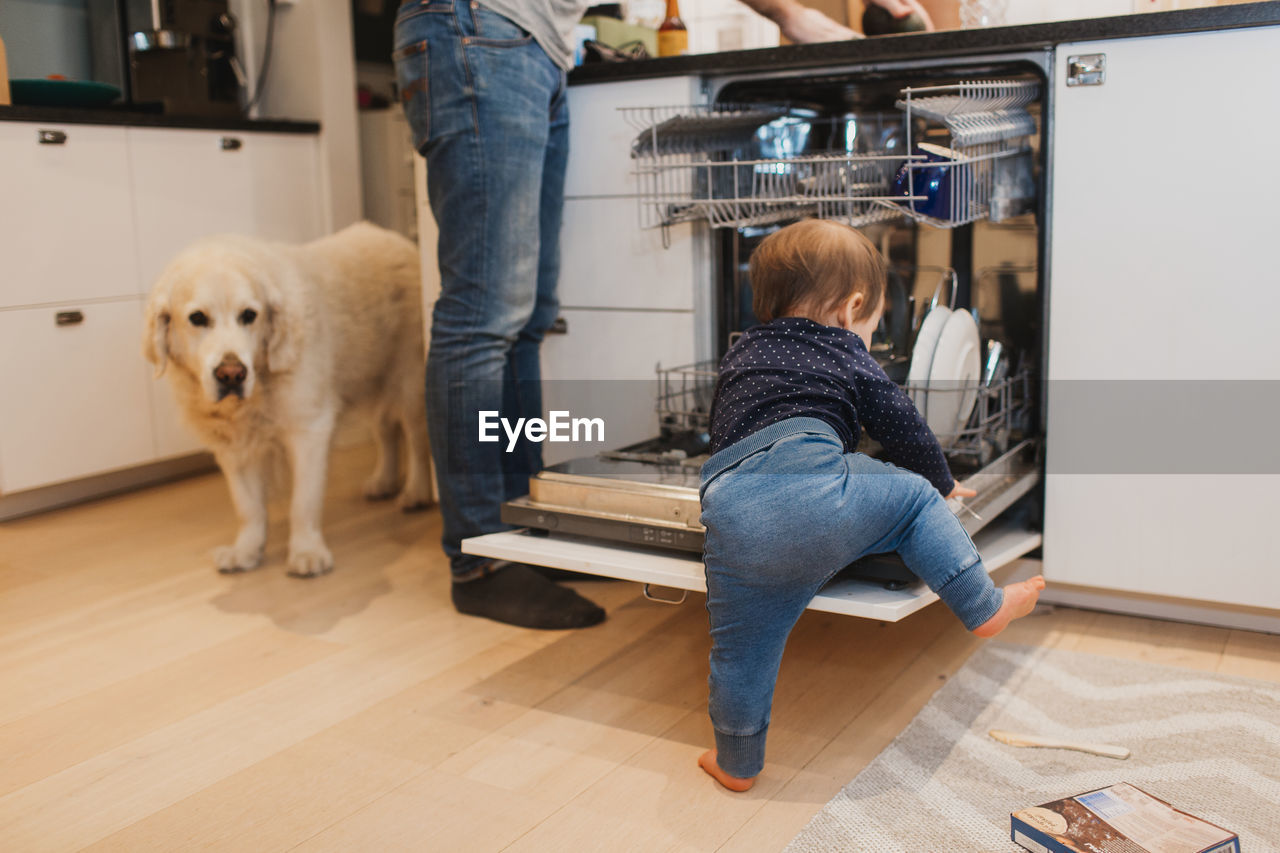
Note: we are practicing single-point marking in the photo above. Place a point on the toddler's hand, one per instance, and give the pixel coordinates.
(961, 492)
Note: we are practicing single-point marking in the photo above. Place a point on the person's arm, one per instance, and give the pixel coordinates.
(891, 418)
(803, 25)
(800, 23)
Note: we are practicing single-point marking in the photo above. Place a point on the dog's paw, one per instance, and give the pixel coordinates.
(378, 488)
(416, 494)
(410, 502)
(310, 562)
(231, 559)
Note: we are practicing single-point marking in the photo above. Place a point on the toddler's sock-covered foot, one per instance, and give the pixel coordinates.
(707, 761)
(1019, 600)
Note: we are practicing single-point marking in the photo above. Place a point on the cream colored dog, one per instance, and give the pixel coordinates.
(267, 343)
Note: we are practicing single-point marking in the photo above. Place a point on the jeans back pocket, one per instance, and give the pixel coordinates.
(494, 30)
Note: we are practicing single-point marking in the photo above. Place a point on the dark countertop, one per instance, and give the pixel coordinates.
(77, 115)
(938, 44)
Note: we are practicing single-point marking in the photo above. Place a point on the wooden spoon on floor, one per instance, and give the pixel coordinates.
(1103, 749)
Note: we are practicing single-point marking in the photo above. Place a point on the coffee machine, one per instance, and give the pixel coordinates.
(182, 55)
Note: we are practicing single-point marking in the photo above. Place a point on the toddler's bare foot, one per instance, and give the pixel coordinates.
(707, 761)
(1019, 600)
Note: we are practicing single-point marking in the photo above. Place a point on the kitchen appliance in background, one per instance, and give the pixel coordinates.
(62, 52)
(108, 54)
(769, 151)
(182, 55)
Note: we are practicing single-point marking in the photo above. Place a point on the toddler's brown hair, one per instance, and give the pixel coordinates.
(812, 266)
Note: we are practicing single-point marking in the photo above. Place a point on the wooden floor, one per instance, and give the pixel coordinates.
(148, 703)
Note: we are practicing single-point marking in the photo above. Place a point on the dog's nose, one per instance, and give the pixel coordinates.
(230, 371)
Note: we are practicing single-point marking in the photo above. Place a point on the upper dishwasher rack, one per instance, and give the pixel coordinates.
(976, 112)
(738, 166)
(735, 166)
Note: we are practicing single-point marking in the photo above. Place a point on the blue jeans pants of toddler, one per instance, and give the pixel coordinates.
(786, 509)
(487, 108)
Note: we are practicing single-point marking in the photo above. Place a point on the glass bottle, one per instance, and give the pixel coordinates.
(673, 35)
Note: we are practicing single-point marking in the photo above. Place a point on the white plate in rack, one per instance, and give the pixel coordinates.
(922, 354)
(953, 377)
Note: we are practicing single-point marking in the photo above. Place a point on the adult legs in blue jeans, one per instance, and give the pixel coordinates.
(764, 565)
(488, 110)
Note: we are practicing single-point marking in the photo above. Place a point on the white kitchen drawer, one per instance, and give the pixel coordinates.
(75, 396)
(285, 185)
(603, 366)
(1202, 537)
(173, 436)
(600, 137)
(1000, 543)
(66, 226)
(188, 184)
(610, 262)
(617, 345)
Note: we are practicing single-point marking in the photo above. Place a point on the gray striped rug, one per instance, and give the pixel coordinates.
(1208, 744)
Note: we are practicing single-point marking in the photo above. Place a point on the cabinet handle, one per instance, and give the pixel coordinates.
(69, 318)
(559, 327)
(231, 143)
(52, 137)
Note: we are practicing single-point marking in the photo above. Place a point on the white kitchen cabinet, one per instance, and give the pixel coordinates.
(91, 214)
(603, 366)
(284, 181)
(188, 184)
(1163, 268)
(600, 135)
(67, 226)
(629, 303)
(610, 262)
(172, 436)
(75, 393)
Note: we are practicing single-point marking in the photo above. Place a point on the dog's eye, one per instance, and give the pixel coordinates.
(247, 316)
(198, 318)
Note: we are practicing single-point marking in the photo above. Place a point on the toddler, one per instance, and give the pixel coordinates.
(787, 502)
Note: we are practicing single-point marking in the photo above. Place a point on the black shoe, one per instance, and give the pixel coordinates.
(517, 595)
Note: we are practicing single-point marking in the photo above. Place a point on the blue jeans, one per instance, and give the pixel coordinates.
(488, 110)
(785, 509)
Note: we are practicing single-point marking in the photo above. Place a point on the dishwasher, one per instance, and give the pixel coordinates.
(943, 167)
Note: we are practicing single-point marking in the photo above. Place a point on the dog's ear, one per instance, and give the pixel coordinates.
(284, 321)
(155, 334)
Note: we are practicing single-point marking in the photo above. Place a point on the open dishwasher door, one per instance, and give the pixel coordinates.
(618, 544)
(648, 532)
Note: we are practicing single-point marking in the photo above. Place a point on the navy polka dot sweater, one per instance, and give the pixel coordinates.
(796, 367)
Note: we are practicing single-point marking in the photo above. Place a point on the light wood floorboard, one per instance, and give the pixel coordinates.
(151, 704)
